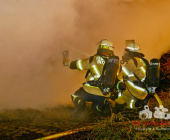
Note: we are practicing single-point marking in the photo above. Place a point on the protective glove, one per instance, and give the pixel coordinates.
(122, 86)
(66, 61)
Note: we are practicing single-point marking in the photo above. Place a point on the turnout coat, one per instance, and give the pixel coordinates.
(94, 65)
(134, 90)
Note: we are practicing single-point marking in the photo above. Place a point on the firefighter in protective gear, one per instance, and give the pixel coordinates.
(132, 77)
(94, 65)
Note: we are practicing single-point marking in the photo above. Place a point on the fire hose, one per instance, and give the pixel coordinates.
(62, 134)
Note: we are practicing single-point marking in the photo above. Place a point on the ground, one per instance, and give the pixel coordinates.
(29, 124)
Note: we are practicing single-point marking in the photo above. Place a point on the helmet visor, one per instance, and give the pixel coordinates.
(106, 47)
(133, 49)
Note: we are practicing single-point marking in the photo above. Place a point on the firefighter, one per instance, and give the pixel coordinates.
(132, 89)
(94, 65)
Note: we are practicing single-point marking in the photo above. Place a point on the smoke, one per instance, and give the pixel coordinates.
(147, 22)
(33, 34)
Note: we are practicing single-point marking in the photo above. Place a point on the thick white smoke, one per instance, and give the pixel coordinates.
(33, 34)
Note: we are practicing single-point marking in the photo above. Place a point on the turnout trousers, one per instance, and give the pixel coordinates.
(81, 96)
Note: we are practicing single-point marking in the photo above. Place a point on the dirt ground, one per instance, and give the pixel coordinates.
(29, 124)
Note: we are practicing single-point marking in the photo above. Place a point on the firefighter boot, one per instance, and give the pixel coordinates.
(80, 107)
(141, 103)
(106, 108)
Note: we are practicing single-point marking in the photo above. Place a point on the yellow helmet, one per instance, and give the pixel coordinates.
(132, 46)
(105, 44)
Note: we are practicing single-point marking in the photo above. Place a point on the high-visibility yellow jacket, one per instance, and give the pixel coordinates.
(133, 91)
(95, 67)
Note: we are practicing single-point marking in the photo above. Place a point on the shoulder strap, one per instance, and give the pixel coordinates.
(135, 61)
(104, 68)
(90, 60)
(146, 61)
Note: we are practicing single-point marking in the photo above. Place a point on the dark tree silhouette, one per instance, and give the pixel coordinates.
(165, 72)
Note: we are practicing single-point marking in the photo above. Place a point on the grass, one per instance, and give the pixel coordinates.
(29, 124)
(121, 126)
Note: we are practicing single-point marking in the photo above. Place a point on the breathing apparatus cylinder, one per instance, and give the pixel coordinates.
(112, 67)
(154, 73)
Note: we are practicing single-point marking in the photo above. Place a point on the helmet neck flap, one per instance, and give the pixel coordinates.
(103, 52)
